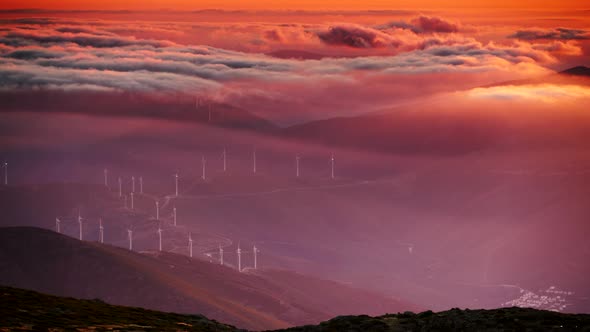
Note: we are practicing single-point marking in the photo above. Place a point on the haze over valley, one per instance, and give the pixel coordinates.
(269, 175)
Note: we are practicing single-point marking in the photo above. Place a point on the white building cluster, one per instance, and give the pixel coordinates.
(552, 299)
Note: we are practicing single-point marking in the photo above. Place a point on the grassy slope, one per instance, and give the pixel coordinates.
(60, 265)
(28, 310)
(52, 263)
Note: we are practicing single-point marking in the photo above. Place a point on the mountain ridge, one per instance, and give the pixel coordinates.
(25, 309)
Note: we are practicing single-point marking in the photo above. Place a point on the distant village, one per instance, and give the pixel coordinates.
(552, 299)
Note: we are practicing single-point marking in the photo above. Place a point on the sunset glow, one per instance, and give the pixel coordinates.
(255, 58)
(299, 4)
(270, 164)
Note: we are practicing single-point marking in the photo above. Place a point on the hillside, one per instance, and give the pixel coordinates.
(577, 71)
(442, 127)
(136, 105)
(508, 319)
(52, 263)
(514, 221)
(577, 75)
(23, 309)
(426, 130)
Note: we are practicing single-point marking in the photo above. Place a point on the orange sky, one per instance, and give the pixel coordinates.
(289, 4)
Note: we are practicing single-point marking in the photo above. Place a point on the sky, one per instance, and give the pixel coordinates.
(288, 61)
(289, 4)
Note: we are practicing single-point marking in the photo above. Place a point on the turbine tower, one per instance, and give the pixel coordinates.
(332, 164)
(190, 245)
(125, 200)
(130, 237)
(120, 187)
(220, 255)
(203, 163)
(106, 177)
(57, 225)
(239, 251)
(209, 112)
(255, 250)
(297, 165)
(159, 238)
(176, 184)
(80, 223)
(132, 184)
(132, 201)
(141, 184)
(174, 215)
(5, 166)
(157, 210)
(100, 231)
(224, 160)
(254, 161)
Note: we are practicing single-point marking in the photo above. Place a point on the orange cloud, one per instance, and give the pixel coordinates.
(545, 93)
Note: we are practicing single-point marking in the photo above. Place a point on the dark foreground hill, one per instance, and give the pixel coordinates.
(505, 319)
(28, 310)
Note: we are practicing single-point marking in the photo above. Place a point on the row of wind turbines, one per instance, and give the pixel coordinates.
(203, 174)
(139, 182)
(80, 221)
(224, 158)
(203, 177)
(239, 252)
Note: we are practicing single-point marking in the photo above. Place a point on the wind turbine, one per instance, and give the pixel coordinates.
(297, 165)
(100, 231)
(209, 112)
(80, 223)
(130, 237)
(224, 160)
(125, 199)
(176, 183)
(254, 161)
(157, 210)
(5, 166)
(332, 164)
(120, 187)
(255, 250)
(132, 184)
(141, 184)
(160, 237)
(174, 215)
(220, 255)
(132, 205)
(106, 177)
(57, 225)
(239, 252)
(203, 163)
(190, 245)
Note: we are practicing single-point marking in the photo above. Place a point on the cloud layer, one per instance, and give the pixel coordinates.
(552, 34)
(357, 67)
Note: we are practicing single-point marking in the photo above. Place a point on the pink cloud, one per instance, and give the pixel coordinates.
(434, 24)
(356, 36)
